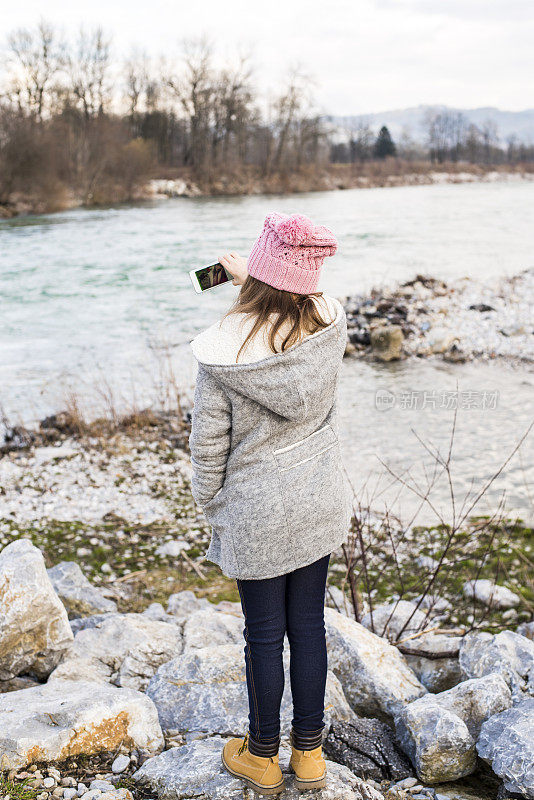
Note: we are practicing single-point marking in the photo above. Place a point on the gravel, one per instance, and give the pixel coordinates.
(80, 482)
(507, 331)
(83, 483)
(459, 321)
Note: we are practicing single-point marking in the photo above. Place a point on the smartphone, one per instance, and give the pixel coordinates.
(208, 277)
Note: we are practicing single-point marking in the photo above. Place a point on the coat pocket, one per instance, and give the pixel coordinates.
(212, 500)
(312, 446)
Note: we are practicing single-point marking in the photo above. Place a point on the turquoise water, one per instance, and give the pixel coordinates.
(92, 300)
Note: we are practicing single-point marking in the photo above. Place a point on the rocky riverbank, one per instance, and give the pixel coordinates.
(456, 321)
(104, 705)
(111, 667)
(117, 501)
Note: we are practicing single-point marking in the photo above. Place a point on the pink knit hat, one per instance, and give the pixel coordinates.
(289, 253)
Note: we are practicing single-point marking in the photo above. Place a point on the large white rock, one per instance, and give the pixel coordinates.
(34, 628)
(58, 720)
(375, 677)
(123, 649)
(437, 742)
(205, 690)
(491, 594)
(78, 595)
(157, 612)
(196, 771)
(208, 627)
(439, 731)
(183, 604)
(507, 653)
(395, 620)
(506, 742)
(474, 701)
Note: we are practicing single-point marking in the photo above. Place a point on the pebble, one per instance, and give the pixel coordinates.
(58, 791)
(407, 783)
(54, 773)
(69, 793)
(92, 795)
(68, 781)
(49, 783)
(81, 789)
(101, 786)
(120, 764)
(172, 548)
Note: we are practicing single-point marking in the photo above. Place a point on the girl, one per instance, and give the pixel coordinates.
(267, 473)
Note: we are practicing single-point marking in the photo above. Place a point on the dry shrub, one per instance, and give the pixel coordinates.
(381, 556)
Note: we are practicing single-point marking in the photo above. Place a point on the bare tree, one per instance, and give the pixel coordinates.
(234, 111)
(361, 141)
(137, 73)
(36, 56)
(446, 135)
(289, 109)
(89, 72)
(490, 138)
(194, 90)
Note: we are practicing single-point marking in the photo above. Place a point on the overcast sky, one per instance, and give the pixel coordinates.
(365, 55)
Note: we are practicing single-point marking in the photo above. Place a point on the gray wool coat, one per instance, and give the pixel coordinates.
(267, 468)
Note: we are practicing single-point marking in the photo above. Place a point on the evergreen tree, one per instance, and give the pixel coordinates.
(384, 145)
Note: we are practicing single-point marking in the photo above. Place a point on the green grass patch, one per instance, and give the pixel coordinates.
(17, 790)
(501, 552)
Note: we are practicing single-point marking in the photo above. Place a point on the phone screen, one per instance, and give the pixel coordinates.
(211, 276)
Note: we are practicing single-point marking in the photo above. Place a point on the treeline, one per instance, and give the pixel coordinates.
(450, 137)
(78, 126)
(73, 120)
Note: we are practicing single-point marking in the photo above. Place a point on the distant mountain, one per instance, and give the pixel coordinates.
(413, 120)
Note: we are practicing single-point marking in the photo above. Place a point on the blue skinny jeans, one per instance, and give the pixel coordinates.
(292, 604)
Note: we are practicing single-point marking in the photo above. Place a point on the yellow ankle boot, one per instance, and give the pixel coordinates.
(309, 767)
(261, 774)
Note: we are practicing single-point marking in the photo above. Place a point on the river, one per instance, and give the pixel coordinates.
(91, 299)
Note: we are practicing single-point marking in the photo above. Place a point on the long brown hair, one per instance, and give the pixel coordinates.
(265, 304)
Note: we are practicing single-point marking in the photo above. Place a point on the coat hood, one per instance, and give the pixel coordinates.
(286, 383)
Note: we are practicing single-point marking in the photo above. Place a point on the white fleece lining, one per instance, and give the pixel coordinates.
(227, 340)
(296, 444)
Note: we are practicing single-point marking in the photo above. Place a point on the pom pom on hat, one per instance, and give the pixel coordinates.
(298, 229)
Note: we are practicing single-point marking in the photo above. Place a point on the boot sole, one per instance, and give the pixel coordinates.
(315, 783)
(320, 783)
(257, 787)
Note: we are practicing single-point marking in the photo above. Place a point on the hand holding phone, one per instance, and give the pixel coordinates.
(208, 277)
(237, 267)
